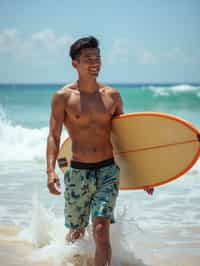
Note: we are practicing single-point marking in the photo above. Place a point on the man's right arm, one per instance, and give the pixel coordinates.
(53, 141)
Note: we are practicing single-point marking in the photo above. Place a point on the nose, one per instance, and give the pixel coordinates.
(94, 62)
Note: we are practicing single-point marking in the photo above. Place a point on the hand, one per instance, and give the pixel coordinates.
(54, 184)
(149, 190)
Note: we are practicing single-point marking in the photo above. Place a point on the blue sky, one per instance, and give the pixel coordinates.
(141, 41)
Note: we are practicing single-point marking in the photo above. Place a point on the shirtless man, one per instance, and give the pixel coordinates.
(86, 108)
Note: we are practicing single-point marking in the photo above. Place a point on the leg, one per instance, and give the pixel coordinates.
(77, 205)
(101, 236)
(102, 208)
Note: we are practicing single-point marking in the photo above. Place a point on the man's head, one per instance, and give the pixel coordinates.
(83, 43)
(85, 54)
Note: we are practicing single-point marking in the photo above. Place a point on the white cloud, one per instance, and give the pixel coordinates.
(148, 58)
(8, 40)
(50, 40)
(174, 56)
(44, 36)
(122, 51)
(119, 52)
(44, 43)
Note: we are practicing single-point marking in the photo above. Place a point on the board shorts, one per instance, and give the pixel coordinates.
(91, 189)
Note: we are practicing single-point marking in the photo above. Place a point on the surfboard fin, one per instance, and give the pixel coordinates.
(62, 162)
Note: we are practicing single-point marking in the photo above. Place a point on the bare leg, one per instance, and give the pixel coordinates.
(102, 240)
(75, 234)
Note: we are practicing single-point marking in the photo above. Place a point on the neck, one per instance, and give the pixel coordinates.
(88, 86)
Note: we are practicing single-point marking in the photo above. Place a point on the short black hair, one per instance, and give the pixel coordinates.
(86, 42)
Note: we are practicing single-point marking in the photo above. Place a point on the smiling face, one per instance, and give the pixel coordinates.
(89, 63)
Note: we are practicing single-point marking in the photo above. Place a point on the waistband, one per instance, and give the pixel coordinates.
(81, 165)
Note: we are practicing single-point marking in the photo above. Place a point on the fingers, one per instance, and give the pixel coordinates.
(149, 190)
(54, 187)
(58, 182)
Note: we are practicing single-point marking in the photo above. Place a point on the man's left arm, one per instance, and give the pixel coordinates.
(119, 104)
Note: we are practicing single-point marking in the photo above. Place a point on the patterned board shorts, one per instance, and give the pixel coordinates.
(91, 191)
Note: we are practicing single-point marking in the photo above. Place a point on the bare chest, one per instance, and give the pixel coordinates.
(85, 109)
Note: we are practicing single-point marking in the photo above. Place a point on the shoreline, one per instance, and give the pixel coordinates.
(18, 252)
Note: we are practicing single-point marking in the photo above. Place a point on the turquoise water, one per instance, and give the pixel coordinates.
(171, 217)
(29, 105)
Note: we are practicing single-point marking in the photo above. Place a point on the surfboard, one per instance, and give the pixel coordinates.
(150, 148)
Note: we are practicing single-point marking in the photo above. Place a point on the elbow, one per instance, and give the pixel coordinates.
(53, 138)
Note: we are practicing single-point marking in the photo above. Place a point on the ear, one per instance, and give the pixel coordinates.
(74, 63)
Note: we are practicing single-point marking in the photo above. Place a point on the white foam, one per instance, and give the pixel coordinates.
(184, 88)
(21, 144)
(135, 237)
(3, 211)
(47, 233)
(173, 90)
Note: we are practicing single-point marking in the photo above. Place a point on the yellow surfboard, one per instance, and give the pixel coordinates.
(151, 148)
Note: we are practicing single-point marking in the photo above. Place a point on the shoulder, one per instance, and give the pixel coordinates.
(114, 93)
(63, 93)
(108, 89)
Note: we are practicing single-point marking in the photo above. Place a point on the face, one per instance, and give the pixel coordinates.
(89, 62)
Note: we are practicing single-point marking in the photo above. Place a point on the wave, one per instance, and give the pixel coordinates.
(18, 143)
(175, 90)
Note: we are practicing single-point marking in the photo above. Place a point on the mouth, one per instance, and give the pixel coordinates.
(94, 70)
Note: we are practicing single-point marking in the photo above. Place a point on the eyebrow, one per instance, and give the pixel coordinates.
(87, 56)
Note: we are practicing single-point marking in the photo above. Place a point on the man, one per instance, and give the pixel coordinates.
(86, 109)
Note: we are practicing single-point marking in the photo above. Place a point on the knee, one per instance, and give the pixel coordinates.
(101, 234)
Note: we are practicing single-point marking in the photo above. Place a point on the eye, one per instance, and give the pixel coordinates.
(95, 60)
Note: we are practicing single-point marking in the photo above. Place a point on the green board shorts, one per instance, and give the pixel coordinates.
(90, 189)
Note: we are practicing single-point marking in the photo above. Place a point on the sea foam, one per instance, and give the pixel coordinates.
(18, 143)
(175, 90)
(47, 234)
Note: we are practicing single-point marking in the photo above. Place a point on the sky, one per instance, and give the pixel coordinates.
(146, 41)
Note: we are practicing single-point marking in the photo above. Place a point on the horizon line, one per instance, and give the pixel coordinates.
(109, 83)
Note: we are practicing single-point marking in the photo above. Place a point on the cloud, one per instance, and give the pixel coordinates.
(173, 56)
(122, 52)
(148, 58)
(9, 40)
(119, 52)
(49, 39)
(42, 44)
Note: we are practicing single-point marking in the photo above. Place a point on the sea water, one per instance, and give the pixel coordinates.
(163, 229)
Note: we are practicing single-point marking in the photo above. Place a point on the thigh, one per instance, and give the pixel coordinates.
(104, 200)
(77, 199)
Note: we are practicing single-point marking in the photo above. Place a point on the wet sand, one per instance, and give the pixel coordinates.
(18, 253)
(14, 252)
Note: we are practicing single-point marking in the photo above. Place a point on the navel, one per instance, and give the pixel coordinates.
(77, 116)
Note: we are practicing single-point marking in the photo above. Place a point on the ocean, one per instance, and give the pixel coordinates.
(163, 229)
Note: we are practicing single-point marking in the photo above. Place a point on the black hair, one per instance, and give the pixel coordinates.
(77, 46)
